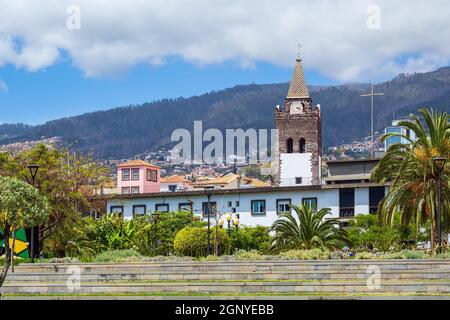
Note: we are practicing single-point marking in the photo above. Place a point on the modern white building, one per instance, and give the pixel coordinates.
(396, 128)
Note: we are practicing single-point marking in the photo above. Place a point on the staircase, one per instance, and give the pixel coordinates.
(247, 280)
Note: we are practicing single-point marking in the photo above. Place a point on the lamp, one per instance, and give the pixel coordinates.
(155, 217)
(220, 223)
(33, 168)
(228, 216)
(440, 163)
(209, 191)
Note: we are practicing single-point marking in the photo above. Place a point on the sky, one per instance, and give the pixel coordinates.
(60, 58)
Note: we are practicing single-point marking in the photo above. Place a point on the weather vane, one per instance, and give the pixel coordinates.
(299, 45)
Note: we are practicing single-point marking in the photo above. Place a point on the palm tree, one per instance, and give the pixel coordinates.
(307, 230)
(413, 174)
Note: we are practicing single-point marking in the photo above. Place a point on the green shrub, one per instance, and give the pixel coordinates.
(406, 254)
(128, 255)
(363, 255)
(443, 255)
(250, 238)
(312, 254)
(251, 255)
(193, 242)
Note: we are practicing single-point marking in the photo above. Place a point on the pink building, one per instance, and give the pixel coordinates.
(137, 176)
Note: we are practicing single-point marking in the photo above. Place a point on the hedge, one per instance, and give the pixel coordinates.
(193, 242)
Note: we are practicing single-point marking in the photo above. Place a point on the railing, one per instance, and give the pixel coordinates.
(294, 181)
(346, 212)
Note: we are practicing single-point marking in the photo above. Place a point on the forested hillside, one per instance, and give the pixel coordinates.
(126, 131)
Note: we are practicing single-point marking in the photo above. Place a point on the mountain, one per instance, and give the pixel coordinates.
(126, 131)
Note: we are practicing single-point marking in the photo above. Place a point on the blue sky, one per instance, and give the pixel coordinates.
(62, 90)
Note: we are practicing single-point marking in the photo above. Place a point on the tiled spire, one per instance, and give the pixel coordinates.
(298, 88)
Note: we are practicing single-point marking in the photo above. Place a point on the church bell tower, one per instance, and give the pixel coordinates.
(299, 127)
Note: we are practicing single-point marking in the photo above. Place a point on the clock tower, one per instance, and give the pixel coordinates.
(299, 127)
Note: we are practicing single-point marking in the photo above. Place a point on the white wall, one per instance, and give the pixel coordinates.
(295, 165)
(361, 201)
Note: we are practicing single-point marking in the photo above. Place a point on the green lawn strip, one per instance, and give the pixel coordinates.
(195, 294)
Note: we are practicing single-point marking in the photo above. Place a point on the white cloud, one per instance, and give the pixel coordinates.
(3, 86)
(116, 35)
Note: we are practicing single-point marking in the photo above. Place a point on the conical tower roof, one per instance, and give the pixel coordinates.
(298, 88)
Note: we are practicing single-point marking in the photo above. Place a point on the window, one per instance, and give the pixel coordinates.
(376, 194)
(125, 190)
(152, 175)
(302, 145)
(134, 174)
(298, 180)
(206, 208)
(134, 190)
(139, 210)
(283, 206)
(236, 204)
(310, 203)
(230, 204)
(289, 145)
(185, 206)
(162, 207)
(258, 207)
(233, 210)
(172, 187)
(346, 202)
(125, 174)
(116, 209)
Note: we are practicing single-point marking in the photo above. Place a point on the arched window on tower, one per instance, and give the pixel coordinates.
(290, 145)
(302, 145)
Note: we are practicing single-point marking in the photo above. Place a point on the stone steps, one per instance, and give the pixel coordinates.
(221, 266)
(404, 277)
(235, 275)
(298, 287)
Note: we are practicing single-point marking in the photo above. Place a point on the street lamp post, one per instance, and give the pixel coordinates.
(216, 242)
(228, 216)
(155, 217)
(440, 163)
(33, 168)
(209, 191)
(236, 223)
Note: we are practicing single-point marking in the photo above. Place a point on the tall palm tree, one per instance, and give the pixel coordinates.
(306, 230)
(413, 173)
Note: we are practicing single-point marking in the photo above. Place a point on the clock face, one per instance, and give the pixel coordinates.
(296, 107)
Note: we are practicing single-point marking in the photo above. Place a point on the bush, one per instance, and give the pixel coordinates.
(248, 255)
(365, 255)
(312, 254)
(119, 256)
(250, 238)
(407, 254)
(193, 242)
